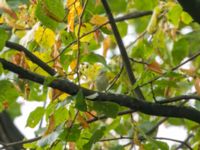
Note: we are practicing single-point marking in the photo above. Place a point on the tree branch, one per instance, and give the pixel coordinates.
(6, 145)
(122, 100)
(179, 98)
(122, 49)
(31, 56)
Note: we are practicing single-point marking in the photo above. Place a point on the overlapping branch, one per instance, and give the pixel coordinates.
(123, 100)
(122, 49)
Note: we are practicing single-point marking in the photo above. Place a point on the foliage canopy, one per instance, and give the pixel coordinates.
(53, 51)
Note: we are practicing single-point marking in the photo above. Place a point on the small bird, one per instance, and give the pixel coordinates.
(192, 7)
(101, 81)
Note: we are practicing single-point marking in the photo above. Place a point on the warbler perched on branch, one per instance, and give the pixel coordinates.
(101, 81)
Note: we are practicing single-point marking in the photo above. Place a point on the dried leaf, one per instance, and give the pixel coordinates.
(190, 72)
(6, 9)
(5, 104)
(98, 20)
(197, 85)
(20, 60)
(155, 67)
(56, 93)
(82, 121)
(71, 146)
(51, 125)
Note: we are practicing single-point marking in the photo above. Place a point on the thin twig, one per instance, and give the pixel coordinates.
(78, 42)
(112, 83)
(131, 15)
(6, 145)
(104, 117)
(185, 141)
(179, 98)
(173, 69)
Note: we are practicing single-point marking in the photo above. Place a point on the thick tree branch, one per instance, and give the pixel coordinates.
(123, 100)
(122, 49)
(31, 56)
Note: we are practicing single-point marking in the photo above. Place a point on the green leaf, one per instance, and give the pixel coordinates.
(118, 7)
(35, 116)
(193, 39)
(123, 28)
(93, 58)
(37, 93)
(156, 145)
(55, 9)
(186, 18)
(107, 108)
(71, 134)
(60, 118)
(80, 101)
(180, 51)
(145, 4)
(45, 20)
(1, 69)
(7, 91)
(97, 135)
(3, 38)
(174, 15)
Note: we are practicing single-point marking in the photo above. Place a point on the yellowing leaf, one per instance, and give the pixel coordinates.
(197, 85)
(75, 8)
(85, 28)
(1, 20)
(98, 20)
(45, 37)
(107, 42)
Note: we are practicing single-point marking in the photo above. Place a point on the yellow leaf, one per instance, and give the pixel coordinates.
(75, 8)
(45, 37)
(106, 45)
(71, 17)
(1, 20)
(45, 56)
(85, 28)
(98, 20)
(73, 64)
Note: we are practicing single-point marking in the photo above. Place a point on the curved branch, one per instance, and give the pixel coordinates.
(122, 100)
